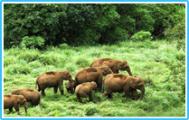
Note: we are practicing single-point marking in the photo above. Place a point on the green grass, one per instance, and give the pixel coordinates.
(159, 62)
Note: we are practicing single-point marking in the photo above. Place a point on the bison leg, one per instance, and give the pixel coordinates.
(55, 89)
(16, 107)
(79, 98)
(60, 86)
(126, 91)
(133, 94)
(108, 94)
(43, 92)
(25, 107)
(61, 91)
(10, 109)
(68, 90)
(142, 89)
(99, 83)
(90, 96)
(72, 90)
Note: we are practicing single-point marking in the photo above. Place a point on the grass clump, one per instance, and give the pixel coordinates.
(81, 62)
(90, 111)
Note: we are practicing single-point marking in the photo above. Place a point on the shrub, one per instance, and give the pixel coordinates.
(32, 42)
(141, 36)
(64, 46)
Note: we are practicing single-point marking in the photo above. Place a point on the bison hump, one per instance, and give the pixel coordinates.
(105, 59)
(50, 73)
(91, 70)
(30, 90)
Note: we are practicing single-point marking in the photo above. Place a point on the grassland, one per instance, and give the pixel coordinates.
(160, 63)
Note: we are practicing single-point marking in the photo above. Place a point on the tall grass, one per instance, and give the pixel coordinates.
(159, 62)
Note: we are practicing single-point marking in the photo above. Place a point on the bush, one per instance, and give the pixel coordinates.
(141, 36)
(64, 46)
(32, 42)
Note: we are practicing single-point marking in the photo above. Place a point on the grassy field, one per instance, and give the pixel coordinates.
(159, 62)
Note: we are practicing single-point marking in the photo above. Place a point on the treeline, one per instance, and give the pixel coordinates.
(52, 24)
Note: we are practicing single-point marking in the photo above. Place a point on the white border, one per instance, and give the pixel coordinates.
(148, 117)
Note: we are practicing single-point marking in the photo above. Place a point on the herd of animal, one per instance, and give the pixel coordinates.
(102, 75)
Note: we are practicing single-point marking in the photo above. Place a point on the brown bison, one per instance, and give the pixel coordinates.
(15, 101)
(31, 96)
(85, 90)
(92, 74)
(114, 65)
(122, 83)
(52, 79)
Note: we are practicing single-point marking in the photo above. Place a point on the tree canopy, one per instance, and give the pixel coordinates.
(77, 24)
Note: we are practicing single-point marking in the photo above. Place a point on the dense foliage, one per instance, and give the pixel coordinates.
(161, 65)
(90, 23)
